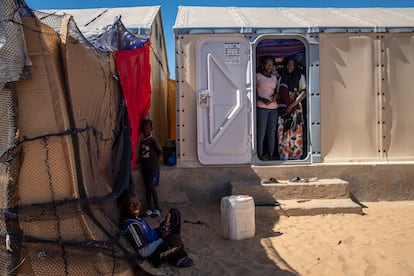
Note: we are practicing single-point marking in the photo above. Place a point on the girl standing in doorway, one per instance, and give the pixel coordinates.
(290, 130)
(266, 106)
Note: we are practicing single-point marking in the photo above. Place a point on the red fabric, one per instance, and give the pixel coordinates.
(134, 71)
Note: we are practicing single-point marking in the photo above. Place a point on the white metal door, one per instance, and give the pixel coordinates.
(223, 101)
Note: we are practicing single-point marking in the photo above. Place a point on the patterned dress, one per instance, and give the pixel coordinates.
(290, 125)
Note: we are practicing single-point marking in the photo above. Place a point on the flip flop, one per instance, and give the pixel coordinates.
(271, 180)
(185, 262)
(297, 179)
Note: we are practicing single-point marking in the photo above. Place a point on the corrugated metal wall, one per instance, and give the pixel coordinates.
(366, 96)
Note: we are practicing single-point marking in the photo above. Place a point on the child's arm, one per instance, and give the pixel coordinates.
(137, 238)
(150, 248)
(157, 145)
(138, 149)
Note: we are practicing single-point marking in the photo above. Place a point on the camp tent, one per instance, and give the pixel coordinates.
(65, 142)
(144, 22)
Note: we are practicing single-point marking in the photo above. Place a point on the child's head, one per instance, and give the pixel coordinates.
(129, 204)
(147, 127)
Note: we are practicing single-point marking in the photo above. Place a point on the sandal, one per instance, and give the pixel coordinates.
(299, 180)
(185, 262)
(155, 213)
(271, 180)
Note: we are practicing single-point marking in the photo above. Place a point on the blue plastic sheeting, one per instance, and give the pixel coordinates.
(118, 37)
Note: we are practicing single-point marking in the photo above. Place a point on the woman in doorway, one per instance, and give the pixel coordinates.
(290, 130)
(266, 112)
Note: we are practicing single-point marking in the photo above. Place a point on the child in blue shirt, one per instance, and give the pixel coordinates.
(158, 245)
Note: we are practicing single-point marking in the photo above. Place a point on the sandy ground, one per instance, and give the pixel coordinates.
(380, 242)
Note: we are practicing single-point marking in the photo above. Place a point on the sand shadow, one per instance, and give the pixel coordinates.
(213, 254)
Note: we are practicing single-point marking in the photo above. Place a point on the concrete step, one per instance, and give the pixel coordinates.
(303, 197)
(313, 188)
(308, 207)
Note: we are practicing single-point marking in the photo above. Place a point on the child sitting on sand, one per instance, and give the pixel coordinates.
(157, 245)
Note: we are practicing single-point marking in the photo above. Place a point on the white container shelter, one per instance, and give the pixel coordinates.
(359, 65)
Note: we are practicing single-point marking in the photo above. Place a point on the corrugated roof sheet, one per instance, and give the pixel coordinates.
(229, 19)
(94, 21)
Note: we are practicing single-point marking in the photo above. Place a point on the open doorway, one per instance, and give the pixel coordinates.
(281, 100)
